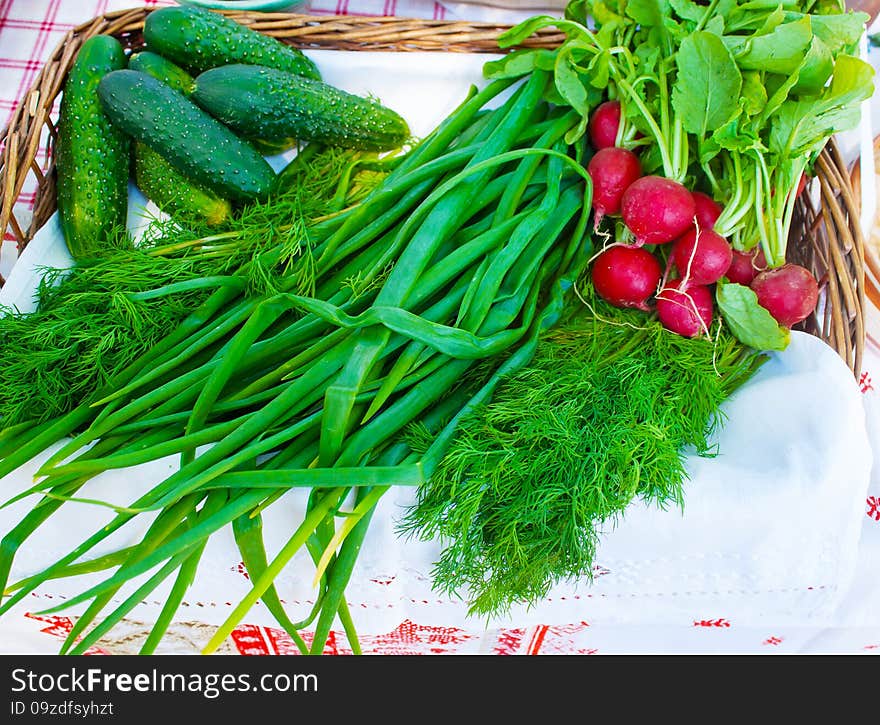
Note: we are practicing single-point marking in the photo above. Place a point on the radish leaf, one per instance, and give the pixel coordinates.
(750, 323)
(781, 51)
(708, 85)
(799, 126)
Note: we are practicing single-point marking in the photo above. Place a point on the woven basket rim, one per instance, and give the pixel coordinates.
(830, 235)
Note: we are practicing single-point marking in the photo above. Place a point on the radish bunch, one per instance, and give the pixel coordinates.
(670, 227)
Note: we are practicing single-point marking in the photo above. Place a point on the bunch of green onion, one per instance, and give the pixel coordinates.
(421, 298)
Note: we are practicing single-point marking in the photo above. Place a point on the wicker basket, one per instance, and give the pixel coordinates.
(872, 246)
(826, 238)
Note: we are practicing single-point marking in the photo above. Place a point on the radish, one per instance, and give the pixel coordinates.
(612, 170)
(657, 210)
(702, 258)
(687, 312)
(789, 293)
(707, 210)
(604, 124)
(745, 265)
(626, 276)
(801, 185)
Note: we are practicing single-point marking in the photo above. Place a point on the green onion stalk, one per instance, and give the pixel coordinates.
(404, 314)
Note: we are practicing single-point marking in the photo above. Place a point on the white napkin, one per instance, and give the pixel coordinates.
(769, 531)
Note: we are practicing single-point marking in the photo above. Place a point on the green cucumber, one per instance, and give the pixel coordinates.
(199, 39)
(169, 73)
(92, 155)
(173, 75)
(197, 145)
(274, 105)
(173, 193)
(160, 182)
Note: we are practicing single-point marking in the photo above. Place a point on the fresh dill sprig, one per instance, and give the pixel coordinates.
(87, 326)
(360, 284)
(604, 414)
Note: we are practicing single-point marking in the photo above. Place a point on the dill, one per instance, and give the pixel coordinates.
(87, 325)
(605, 413)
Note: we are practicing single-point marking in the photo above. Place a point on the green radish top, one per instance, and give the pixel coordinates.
(91, 154)
(169, 73)
(198, 39)
(197, 145)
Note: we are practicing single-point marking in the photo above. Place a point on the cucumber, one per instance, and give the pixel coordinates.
(164, 185)
(173, 75)
(197, 145)
(274, 105)
(173, 193)
(91, 155)
(198, 39)
(169, 73)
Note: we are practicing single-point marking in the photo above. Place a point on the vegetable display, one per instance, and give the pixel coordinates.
(75, 340)
(195, 146)
(528, 316)
(598, 418)
(726, 104)
(482, 225)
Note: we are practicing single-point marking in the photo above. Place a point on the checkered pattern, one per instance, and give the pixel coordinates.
(31, 29)
(390, 8)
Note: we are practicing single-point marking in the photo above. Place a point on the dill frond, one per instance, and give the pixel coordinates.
(360, 283)
(604, 414)
(87, 327)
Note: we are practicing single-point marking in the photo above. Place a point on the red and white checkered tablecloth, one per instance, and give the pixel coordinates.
(29, 31)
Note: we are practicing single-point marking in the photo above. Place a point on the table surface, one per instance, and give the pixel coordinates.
(30, 29)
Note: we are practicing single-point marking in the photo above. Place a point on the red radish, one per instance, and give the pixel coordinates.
(687, 312)
(707, 210)
(657, 210)
(702, 258)
(604, 124)
(626, 276)
(789, 293)
(802, 184)
(745, 265)
(612, 170)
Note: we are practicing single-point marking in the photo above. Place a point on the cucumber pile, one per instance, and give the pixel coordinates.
(192, 117)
